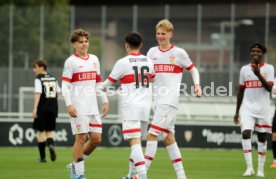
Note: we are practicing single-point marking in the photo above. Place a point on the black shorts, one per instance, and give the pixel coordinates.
(274, 123)
(46, 122)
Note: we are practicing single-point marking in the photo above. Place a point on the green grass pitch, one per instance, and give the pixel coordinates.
(112, 163)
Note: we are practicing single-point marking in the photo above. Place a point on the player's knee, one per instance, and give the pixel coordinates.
(274, 137)
(96, 140)
(169, 139)
(261, 137)
(246, 134)
(151, 137)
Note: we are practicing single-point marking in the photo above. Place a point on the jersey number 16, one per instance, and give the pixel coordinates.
(142, 76)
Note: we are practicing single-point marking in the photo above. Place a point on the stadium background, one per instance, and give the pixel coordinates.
(216, 35)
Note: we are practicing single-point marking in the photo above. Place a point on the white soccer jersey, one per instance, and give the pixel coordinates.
(83, 74)
(256, 98)
(135, 73)
(168, 66)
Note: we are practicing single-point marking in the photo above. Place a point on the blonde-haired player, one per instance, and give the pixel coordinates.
(169, 63)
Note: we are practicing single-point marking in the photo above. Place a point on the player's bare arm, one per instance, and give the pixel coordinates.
(105, 109)
(198, 90)
(256, 70)
(72, 111)
(36, 101)
(239, 102)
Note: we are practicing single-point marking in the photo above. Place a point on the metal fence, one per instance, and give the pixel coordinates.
(217, 38)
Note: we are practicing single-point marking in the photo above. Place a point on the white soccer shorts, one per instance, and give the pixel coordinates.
(262, 125)
(163, 120)
(131, 129)
(86, 124)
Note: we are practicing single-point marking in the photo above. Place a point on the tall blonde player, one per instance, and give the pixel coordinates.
(169, 63)
(256, 81)
(80, 77)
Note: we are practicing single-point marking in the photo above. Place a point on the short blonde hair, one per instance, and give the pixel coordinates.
(166, 24)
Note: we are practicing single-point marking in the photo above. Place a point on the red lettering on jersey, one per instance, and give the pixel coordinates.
(253, 84)
(84, 76)
(167, 68)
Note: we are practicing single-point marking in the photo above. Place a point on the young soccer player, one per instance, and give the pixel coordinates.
(81, 75)
(273, 165)
(135, 72)
(169, 63)
(45, 109)
(256, 80)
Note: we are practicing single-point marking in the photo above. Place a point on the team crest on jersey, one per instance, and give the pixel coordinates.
(264, 75)
(172, 59)
(95, 65)
(78, 127)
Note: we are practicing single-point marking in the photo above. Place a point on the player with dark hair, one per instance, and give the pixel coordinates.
(135, 72)
(256, 80)
(45, 108)
(80, 78)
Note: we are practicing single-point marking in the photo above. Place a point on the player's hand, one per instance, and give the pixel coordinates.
(256, 69)
(274, 91)
(236, 118)
(34, 114)
(197, 90)
(105, 109)
(72, 111)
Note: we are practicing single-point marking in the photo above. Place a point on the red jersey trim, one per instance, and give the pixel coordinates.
(263, 126)
(130, 78)
(190, 67)
(95, 125)
(86, 58)
(241, 86)
(131, 131)
(135, 54)
(167, 68)
(271, 82)
(166, 49)
(84, 76)
(160, 129)
(98, 78)
(111, 79)
(262, 153)
(65, 79)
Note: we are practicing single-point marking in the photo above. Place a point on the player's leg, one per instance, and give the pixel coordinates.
(95, 135)
(247, 126)
(41, 139)
(151, 147)
(132, 133)
(273, 165)
(262, 149)
(80, 128)
(50, 143)
(175, 155)
(50, 126)
(144, 129)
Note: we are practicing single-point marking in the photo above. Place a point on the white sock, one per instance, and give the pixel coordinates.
(150, 152)
(79, 168)
(176, 159)
(85, 157)
(262, 149)
(138, 158)
(247, 151)
(131, 171)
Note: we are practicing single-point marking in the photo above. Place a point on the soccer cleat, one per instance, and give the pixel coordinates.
(273, 165)
(53, 155)
(80, 177)
(260, 173)
(70, 167)
(42, 160)
(249, 172)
